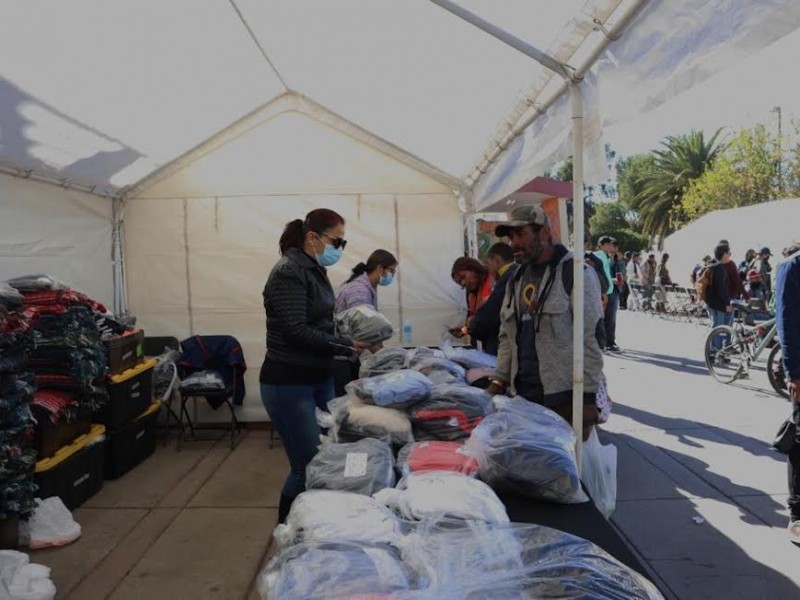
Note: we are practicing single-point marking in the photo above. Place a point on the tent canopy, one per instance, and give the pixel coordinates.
(101, 95)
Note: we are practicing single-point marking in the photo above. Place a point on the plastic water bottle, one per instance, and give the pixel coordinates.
(407, 331)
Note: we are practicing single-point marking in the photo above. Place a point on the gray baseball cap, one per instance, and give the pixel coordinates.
(522, 216)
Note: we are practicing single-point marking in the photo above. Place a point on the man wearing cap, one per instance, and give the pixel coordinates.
(605, 254)
(535, 354)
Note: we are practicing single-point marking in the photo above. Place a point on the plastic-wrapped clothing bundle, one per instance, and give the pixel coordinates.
(35, 283)
(443, 494)
(324, 570)
(21, 579)
(330, 516)
(10, 296)
(383, 361)
(364, 467)
(364, 324)
(395, 390)
(420, 457)
(469, 358)
(477, 560)
(351, 419)
(527, 449)
(203, 380)
(439, 370)
(450, 413)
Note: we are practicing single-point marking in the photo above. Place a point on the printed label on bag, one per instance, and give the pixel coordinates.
(355, 465)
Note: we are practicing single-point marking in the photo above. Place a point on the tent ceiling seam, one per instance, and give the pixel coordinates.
(261, 49)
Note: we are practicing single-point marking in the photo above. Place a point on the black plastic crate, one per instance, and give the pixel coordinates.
(51, 437)
(128, 447)
(75, 473)
(130, 394)
(125, 352)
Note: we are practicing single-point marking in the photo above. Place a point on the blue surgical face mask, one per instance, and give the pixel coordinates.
(330, 255)
(387, 278)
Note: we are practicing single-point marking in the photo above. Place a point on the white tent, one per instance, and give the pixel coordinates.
(772, 224)
(153, 150)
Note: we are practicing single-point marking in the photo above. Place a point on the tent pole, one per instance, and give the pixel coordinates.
(527, 49)
(576, 103)
(538, 109)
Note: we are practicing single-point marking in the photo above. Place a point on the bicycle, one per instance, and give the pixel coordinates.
(731, 349)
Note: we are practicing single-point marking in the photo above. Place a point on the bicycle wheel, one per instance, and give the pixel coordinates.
(775, 372)
(724, 363)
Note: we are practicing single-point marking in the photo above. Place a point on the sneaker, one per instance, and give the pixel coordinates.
(613, 348)
(794, 532)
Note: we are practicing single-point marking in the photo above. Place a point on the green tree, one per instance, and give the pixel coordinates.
(660, 188)
(616, 219)
(745, 173)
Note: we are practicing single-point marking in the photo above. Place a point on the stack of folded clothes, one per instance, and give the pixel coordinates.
(69, 355)
(17, 384)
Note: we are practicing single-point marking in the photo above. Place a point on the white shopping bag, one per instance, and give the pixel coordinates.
(50, 525)
(599, 473)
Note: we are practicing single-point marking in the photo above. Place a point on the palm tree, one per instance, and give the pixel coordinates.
(661, 187)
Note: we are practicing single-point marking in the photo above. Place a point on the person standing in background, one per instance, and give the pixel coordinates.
(605, 254)
(633, 275)
(470, 274)
(716, 295)
(735, 286)
(485, 325)
(362, 287)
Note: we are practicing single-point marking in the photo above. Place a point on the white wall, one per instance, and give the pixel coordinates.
(60, 232)
(200, 243)
(773, 224)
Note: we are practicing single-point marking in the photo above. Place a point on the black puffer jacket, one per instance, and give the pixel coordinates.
(299, 302)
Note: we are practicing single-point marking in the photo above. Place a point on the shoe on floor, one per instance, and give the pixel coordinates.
(613, 348)
(794, 532)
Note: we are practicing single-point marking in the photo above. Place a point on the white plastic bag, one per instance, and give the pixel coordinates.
(599, 473)
(23, 580)
(331, 516)
(50, 525)
(437, 494)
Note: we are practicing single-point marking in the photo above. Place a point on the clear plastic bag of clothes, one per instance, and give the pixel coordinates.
(351, 419)
(438, 494)
(363, 467)
(36, 283)
(468, 358)
(450, 413)
(527, 449)
(332, 516)
(393, 390)
(478, 560)
(439, 370)
(364, 324)
(420, 457)
(164, 371)
(323, 570)
(383, 361)
(203, 380)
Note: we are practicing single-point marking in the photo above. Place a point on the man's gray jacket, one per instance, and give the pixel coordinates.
(554, 336)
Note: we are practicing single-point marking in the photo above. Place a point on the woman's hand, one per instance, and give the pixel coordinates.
(456, 332)
(360, 346)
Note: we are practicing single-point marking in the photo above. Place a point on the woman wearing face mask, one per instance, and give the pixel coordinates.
(296, 377)
(362, 287)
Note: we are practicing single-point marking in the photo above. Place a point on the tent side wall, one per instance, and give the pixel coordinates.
(60, 232)
(201, 243)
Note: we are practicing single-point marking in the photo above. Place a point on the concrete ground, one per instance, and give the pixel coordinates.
(197, 523)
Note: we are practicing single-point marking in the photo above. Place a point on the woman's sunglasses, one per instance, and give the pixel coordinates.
(335, 241)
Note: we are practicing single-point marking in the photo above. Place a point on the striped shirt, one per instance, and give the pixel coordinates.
(356, 293)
